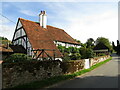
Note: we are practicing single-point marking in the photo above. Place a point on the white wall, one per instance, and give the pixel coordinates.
(22, 41)
(87, 64)
(65, 44)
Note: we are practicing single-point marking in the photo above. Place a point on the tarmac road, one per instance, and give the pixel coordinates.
(105, 76)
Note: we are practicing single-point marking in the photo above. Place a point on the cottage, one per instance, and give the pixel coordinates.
(36, 38)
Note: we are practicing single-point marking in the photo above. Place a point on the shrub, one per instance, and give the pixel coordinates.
(89, 53)
(101, 54)
(83, 52)
(66, 57)
(17, 57)
(75, 56)
(73, 53)
(86, 52)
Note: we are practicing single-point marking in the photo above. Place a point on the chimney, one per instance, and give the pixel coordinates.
(43, 19)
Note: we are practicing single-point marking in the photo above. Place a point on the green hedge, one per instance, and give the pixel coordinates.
(17, 57)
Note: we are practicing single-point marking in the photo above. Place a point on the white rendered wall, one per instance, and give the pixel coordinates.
(22, 41)
(65, 44)
(87, 64)
(19, 25)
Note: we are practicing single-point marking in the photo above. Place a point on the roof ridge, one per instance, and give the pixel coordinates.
(26, 20)
(55, 27)
(39, 22)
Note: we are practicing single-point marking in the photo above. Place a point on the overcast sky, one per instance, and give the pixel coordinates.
(81, 20)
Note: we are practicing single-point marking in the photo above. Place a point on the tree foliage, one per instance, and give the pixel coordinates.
(4, 40)
(70, 53)
(73, 53)
(77, 40)
(116, 48)
(86, 52)
(90, 43)
(105, 41)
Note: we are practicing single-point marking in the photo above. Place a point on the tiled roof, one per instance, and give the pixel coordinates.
(42, 38)
(100, 46)
(60, 35)
(39, 37)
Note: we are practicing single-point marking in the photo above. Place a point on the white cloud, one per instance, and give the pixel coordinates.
(6, 28)
(93, 23)
(93, 26)
(28, 12)
(7, 31)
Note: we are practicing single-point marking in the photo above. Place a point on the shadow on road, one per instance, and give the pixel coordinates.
(115, 55)
(91, 82)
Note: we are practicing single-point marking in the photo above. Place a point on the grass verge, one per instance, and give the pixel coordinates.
(56, 79)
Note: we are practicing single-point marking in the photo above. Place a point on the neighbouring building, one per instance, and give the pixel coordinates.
(5, 51)
(34, 38)
(101, 48)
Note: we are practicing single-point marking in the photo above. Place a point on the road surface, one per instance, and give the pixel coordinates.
(105, 76)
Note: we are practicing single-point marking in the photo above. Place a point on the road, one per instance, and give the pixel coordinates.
(105, 76)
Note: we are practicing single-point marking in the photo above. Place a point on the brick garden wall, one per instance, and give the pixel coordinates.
(72, 66)
(26, 72)
(96, 60)
(20, 73)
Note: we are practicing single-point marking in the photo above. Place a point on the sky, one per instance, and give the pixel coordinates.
(81, 20)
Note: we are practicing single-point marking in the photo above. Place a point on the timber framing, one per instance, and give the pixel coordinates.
(40, 53)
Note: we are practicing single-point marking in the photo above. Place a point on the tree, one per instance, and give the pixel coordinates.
(118, 47)
(4, 40)
(86, 52)
(114, 47)
(84, 45)
(90, 42)
(105, 41)
(118, 42)
(77, 40)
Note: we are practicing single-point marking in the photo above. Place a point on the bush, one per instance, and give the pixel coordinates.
(83, 52)
(89, 53)
(86, 53)
(73, 53)
(75, 56)
(66, 57)
(101, 54)
(17, 57)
